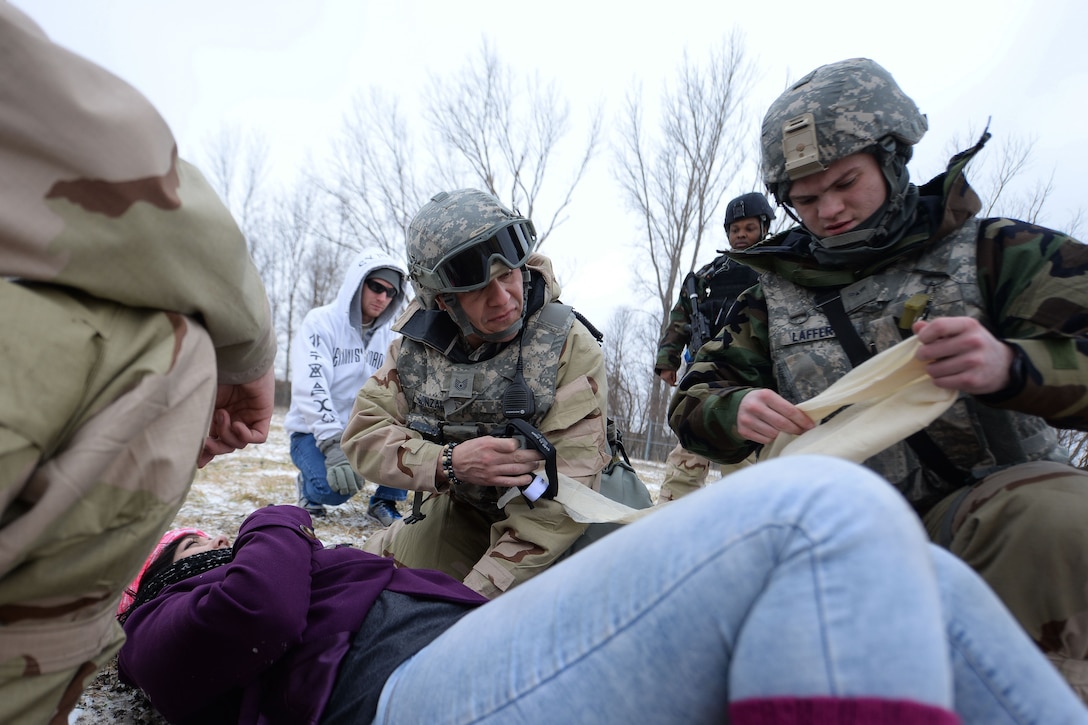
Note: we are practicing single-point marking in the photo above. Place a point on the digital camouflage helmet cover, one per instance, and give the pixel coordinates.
(844, 108)
(836, 110)
(454, 244)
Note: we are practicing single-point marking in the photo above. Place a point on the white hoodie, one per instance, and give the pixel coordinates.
(332, 355)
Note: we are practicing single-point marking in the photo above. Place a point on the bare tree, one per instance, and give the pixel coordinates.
(1073, 226)
(480, 125)
(375, 164)
(295, 283)
(1011, 164)
(624, 353)
(629, 342)
(237, 164)
(1005, 183)
(299, 265)
(511, 142)
(675, 179)
(676, 183)
(487, 126)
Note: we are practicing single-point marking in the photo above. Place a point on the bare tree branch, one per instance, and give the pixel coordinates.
(628, 342)
(487, 127)
(375, 187)
(237, 164)
(999, 179)
(676, 181)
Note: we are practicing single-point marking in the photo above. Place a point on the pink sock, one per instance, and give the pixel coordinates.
(837, 711)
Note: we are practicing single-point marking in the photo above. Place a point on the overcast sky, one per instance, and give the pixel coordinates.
(289, 69)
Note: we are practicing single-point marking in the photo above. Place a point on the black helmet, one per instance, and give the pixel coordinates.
(752, 204)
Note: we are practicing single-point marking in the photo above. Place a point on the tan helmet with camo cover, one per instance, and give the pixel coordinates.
(455, 240)
(836, 110)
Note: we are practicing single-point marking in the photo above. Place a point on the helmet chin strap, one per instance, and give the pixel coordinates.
(883, 229)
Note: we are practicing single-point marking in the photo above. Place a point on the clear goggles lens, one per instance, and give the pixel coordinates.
(470, 268)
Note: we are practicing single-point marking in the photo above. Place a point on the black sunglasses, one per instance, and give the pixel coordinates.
(379, 288)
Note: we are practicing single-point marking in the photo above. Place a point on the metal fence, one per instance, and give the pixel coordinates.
(652, 444)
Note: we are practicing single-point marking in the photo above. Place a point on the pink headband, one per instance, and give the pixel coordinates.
(129, 595)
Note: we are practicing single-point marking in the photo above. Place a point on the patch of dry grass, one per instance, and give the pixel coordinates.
(230, 488)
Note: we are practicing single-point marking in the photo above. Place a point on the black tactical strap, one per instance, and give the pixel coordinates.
(831, 304)
(535, 439)
(935, 459)
(597, 334)
(856, 350)
(417, 509)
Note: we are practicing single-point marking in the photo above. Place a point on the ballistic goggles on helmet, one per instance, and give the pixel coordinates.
(469, 268)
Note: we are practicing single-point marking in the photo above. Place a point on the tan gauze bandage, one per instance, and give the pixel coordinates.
(889, 398)
(880, 402)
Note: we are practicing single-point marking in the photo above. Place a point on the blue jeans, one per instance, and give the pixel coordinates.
(310, 462)
(803, 576)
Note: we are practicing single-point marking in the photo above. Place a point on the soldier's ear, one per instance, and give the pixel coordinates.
(441, 303)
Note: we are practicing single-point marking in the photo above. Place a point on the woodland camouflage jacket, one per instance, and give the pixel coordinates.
(718, 284)
(1032, 293)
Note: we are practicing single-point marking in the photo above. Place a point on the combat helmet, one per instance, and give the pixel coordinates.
(836, 110)
(752, 204)
(454, 243)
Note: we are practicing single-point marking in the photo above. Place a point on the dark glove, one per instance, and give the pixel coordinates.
(341, 476)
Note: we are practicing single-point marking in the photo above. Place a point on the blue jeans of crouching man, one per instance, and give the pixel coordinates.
(310, 462)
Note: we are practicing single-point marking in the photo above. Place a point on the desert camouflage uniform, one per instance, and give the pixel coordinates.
(719, 284)
(684, 472)
(1017, 513)
(105, 398)
(464, 533)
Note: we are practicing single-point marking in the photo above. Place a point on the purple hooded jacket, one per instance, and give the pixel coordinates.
(260, 640)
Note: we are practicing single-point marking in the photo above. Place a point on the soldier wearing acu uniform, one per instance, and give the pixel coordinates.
(484, 343)
(747, 220)
(1000, 307)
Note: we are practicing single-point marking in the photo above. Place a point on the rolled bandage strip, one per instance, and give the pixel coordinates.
(535, 489)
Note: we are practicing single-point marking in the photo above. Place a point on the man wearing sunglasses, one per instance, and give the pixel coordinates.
(485, 342)
(337, 348)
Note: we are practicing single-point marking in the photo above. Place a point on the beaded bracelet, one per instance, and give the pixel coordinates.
(447, 464)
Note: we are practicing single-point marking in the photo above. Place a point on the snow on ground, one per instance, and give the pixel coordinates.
(223, 493)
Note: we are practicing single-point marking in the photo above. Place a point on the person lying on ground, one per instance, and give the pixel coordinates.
(802, 591)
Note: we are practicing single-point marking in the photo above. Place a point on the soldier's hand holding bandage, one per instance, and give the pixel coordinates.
(492, 461)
